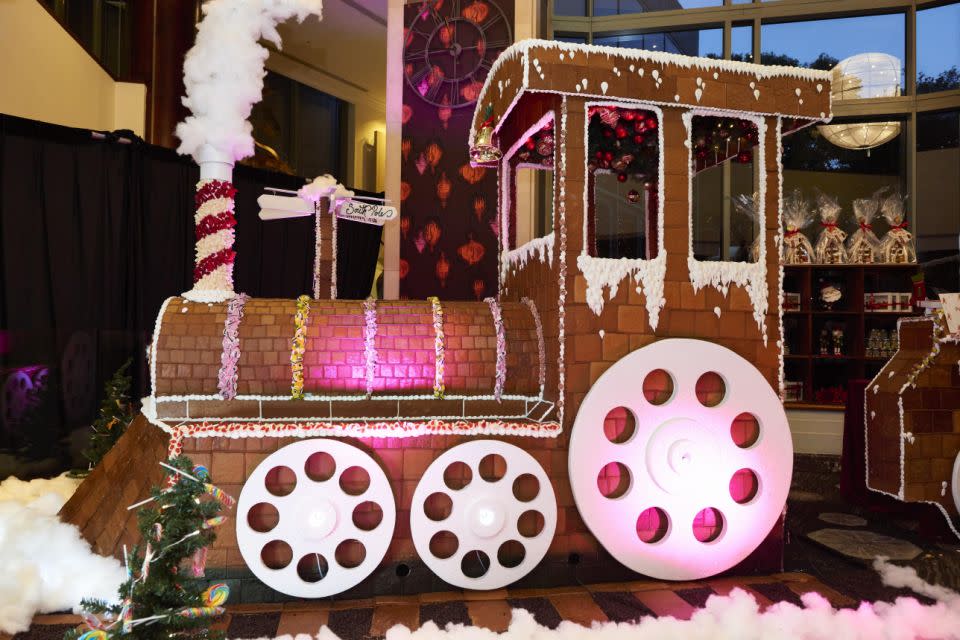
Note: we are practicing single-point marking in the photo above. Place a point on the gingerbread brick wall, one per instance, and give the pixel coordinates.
(931, 414)
(624, 319)
(190, 343)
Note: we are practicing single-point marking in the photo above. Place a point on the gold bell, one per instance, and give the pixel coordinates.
(483, 150)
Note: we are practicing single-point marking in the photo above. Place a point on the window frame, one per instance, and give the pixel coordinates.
(585, 252)
(759, 160)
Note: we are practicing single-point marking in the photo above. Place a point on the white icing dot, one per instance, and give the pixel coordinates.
(602, 333)
(716, 311)
(603, 87)
(716, 75)
(756, 93)
(183, 310)
(676, 98)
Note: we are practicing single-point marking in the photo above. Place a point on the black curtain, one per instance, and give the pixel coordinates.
(95, 234)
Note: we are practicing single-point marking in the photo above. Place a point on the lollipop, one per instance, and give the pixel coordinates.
(216, 595)
(216, 521)
(94, 634)
(202, 473)
(200, 612)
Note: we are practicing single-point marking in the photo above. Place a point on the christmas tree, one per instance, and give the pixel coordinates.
(165, 594)
(115, 415)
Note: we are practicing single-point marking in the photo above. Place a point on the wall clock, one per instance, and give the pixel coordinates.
(449, 47)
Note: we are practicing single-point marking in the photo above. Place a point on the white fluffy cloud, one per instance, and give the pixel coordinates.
(45, 565)
(223, 71)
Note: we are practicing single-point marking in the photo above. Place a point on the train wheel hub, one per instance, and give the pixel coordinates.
(486, 517)
(321, 519)
(680, 455)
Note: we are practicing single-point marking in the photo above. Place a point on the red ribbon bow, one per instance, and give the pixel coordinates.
(829, 225)
(902, 225)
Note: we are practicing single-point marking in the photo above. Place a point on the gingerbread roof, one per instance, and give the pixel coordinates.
(649, 76)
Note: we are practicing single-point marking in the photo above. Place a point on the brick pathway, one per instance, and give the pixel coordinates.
(362, 619)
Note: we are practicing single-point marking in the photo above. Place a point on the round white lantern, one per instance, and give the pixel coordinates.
(865, 75)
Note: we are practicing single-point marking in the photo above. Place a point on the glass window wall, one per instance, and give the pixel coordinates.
(938, 48)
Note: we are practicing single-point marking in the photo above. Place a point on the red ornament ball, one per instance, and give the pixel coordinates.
(638, 139)
(651, 123)
(633, 196)
(607, 133)
(621, 177)
(608, 155)
(621, 131)
(529, 144)
(744, 157)
(628, 116)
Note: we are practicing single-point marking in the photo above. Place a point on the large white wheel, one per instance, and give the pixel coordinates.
(315, 518)
(483, 515)
(680, 459)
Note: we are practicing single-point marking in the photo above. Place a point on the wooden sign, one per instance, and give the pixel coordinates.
(366, 212)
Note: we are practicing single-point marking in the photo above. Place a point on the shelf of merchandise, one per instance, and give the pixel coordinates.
(803, 362)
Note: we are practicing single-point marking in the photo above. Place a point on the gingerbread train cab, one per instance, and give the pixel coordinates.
(602, 406)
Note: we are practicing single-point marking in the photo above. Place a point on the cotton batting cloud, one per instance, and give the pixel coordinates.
(223, 72)
(324, 186)
(739, 617)
(46, 565)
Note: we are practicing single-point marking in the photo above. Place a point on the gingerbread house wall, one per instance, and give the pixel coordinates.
(931, 415)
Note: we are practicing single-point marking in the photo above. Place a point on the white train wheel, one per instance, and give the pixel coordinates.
(483, 515)
(315, 518)
(680, 459)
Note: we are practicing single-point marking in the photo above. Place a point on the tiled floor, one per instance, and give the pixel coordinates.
(361, 619)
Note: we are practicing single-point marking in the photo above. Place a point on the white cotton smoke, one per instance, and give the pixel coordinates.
(47, 565)
(324, 186)
(223, 71)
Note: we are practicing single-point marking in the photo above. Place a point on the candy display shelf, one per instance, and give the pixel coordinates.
(823, 376)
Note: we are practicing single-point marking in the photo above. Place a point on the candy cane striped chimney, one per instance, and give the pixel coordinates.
(215, 222)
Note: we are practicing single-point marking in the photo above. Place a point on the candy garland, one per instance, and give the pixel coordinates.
(438, 385)
(560, 186)
(541, 351)
(370, 341)
(299, 346)
(215, 222)
(227, 378)
(367, 429)
(316, 253)
(501, 375)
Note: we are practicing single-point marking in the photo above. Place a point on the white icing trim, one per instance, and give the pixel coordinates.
(625, 56)
(600, 273)
(781, 341)
(333, 250)
(208, 295)
(752, 276)
(541, 247)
